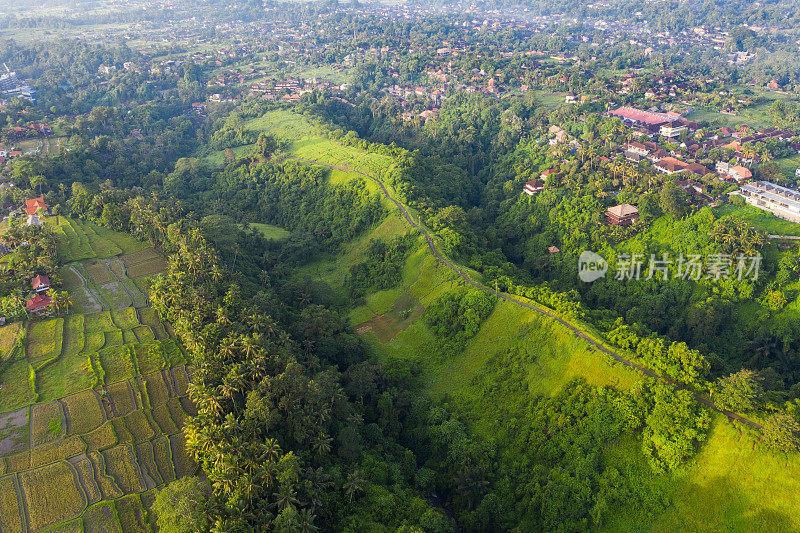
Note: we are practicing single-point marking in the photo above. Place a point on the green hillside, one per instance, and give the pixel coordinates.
(732, 480)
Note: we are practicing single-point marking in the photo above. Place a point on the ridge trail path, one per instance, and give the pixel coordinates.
(702, 398)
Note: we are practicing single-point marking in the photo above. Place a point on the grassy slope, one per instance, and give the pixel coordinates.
(268, 231)
(742, 487)
(760, 219)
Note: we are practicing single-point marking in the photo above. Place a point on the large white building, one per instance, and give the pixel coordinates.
(780, 201)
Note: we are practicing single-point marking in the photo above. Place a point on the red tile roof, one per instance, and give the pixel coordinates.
(32, 206)
(40, 280)
(642, 117)
(38, 301)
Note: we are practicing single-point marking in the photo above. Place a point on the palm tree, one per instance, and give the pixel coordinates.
(286, 497)
(354, 484)
(61, 301)
(323, 444)
(306, 521)
(249, 347)
(227, 348)
(216, 273)
(270, 450)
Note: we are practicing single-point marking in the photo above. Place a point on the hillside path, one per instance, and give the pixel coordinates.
(702, 398)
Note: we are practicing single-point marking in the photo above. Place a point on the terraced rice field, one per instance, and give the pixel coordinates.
(69, 355)
(92, 404)
(79, 241)
(103, 284)
(100, 474)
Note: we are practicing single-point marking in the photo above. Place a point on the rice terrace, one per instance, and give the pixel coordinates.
(92, 403)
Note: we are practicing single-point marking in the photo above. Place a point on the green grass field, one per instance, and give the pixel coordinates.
(270, 232)
(760, 219)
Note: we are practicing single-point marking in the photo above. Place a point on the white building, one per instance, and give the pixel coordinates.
(673, 129)
(780, 201)
(33, 220)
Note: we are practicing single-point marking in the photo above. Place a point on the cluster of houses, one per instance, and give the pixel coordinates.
(291, 89)
(15, 133)
(33, 209)
(39, 304)
(6, 154)
(781, 201)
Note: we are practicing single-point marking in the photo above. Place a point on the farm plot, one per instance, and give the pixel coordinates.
(47, 423)
(122, 398)
(116, 295)
(73, 342)
(131, 514)
(157, 389)
(157, 355)
(115, 265)
(101, 438)
(56, 451)
(10, 336)
(11, 511)
(149, 317)
(86, 474)
(65, 375)
(108, 487)
(14, 432)
(184, 464)
(52, 494)
(83, 412)
(79, 241)
(140, 427)
(72, 244)
(44, 339)
(138, 298)
(121, 466)
(17, 381)
(101, 246)
(144, 263)
(101, 518)
(124, 242)
(85, 298)
(98, 272)
(125, 319)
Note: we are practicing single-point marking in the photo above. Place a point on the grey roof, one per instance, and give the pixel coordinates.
(775, 193)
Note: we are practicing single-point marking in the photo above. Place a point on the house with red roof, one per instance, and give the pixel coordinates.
(547, 173)
(649, 121)
(670, 165)
(740, 173)
(39, 305)
(32, 206)
(622, 215)
(40, 283)
(532, 187)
